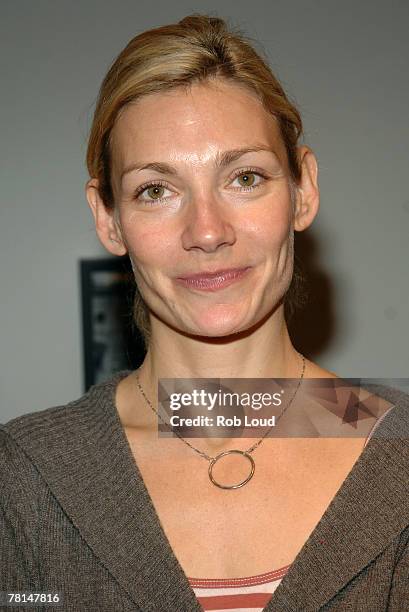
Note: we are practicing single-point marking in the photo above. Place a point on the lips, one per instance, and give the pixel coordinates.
(227, 271)
(212, 281)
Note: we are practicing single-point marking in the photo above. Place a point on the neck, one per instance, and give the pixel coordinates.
(263, 352)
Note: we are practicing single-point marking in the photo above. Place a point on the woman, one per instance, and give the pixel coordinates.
(197, 174)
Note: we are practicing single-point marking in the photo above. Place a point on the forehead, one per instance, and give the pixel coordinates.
(192, 124)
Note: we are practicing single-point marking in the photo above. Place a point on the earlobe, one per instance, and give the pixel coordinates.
(105, 224)
(307, 193)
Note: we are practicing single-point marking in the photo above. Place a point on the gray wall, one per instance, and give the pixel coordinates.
(344, 63)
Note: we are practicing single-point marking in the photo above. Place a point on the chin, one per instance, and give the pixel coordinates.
(219, 323)
(219, 326)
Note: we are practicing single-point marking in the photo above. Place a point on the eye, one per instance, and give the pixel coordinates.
(248, 179)
(154, 191)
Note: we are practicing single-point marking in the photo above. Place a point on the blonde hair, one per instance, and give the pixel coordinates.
(197, 48)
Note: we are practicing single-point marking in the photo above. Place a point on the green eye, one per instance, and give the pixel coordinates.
(247, 178)
(151, 192)
(155, 192)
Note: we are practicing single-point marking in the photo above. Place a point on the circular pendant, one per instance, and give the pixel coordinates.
(240, 484)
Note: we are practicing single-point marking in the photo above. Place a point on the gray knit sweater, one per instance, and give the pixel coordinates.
(76, 518)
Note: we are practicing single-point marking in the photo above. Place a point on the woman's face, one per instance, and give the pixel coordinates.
(204, 202)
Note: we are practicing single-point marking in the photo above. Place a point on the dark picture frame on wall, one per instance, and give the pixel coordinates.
(111, 341)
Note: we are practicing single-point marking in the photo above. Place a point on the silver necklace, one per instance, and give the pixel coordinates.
(246, 453)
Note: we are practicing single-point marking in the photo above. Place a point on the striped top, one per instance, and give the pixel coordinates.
(248, 594)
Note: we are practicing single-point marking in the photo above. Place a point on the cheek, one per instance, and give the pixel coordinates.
(148, 247)
(273, 227)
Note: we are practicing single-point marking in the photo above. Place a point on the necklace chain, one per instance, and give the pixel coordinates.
(249, 450)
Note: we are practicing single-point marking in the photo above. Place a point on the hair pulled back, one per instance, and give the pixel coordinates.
(197, 48)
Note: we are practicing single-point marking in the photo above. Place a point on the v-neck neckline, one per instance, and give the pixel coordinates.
(310, 547)
(83, 455)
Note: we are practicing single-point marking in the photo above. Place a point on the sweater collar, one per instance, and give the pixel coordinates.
(110, 504)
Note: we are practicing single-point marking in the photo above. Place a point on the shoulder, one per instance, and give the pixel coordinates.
(26, 436)
(36, 426)
(29, 440)
(376, 400)
(52, 440)
(26, 443)
(65, 420)
(20, 481)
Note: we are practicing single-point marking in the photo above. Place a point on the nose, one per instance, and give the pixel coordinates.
(208, 225)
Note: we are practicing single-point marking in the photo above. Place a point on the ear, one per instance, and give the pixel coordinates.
(106, 224)
(307, 191)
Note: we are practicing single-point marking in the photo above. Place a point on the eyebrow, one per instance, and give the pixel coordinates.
(222, 160)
